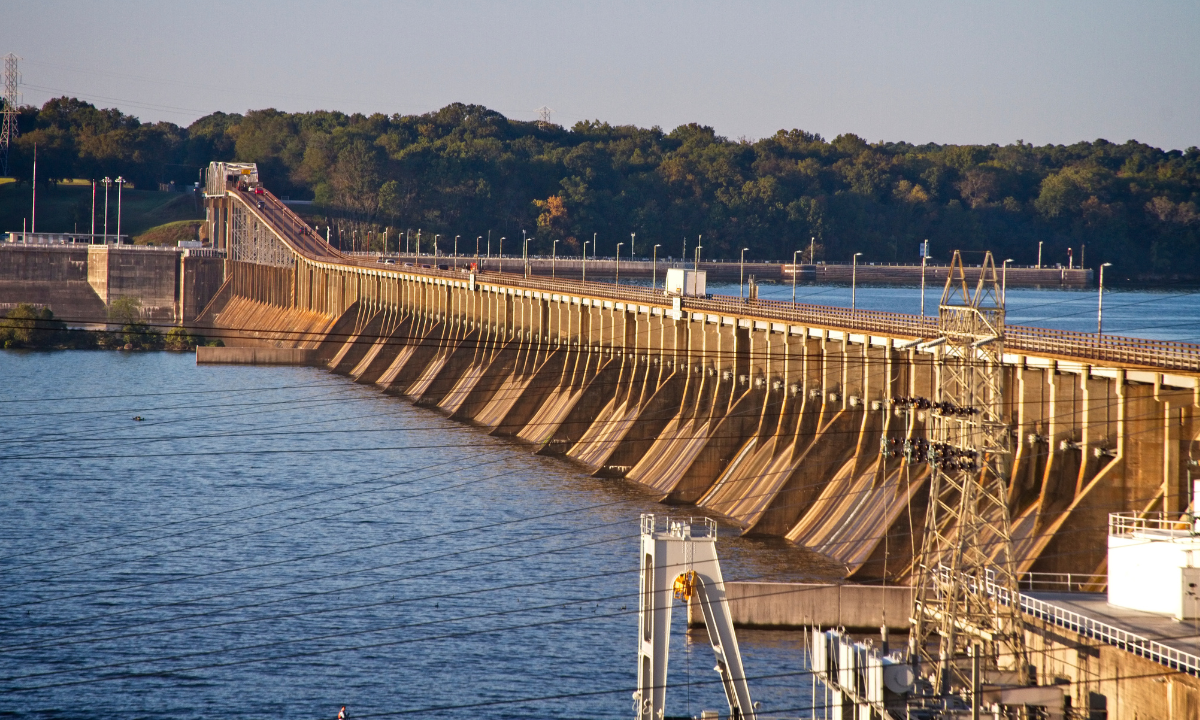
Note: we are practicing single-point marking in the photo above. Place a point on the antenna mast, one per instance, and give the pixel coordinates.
(966, 597)
(8, 118)
(544, 114)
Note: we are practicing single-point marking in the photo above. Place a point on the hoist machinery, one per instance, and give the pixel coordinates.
(679, 562)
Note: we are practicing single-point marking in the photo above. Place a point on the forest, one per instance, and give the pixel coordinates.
(467, 170)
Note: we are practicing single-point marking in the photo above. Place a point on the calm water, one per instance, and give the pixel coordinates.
(278, 542)
(1154, 314)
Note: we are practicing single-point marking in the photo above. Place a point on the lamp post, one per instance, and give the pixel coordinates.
(585, 244)
(120, 181)
(502, 254)
(812, 250)
(617, 277)
(632, 250)
(1039, 254)
(477, 251)
(456, 252)
(418, 246)
(654, 268)
(525, 253)
(594, 245)
(92, 237)
(742, 274)
(1100, 305)
(107, 182)
(1004, 280)
(854, 282)
(698, 246)
(554, 260)
(435, 250)
(794, 273)
(924, 258)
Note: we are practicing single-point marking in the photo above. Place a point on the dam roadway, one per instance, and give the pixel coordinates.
(769, 414)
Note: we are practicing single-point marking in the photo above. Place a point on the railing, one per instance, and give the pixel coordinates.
(1128, 524)
(1062, 582)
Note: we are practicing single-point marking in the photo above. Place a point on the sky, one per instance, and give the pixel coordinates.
(954, 72)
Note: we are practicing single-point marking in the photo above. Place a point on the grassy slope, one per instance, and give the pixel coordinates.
(169, 234)
(61, 208)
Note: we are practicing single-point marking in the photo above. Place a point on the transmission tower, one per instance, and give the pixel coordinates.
(544, 114)
(8, 124)
(966, 597)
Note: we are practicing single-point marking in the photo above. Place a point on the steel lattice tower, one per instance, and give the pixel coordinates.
(8, 123)
(966, 576)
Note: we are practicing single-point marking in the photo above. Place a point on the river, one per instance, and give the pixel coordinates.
(279, 542)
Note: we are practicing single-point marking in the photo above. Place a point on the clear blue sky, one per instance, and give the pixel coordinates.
(953, 72)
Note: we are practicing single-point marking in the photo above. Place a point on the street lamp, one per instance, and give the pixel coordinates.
(435, 250)
(617, 278)
(1039, 254)
(698, 246)
(654, 268)
(585, 244)
(456, 252)
(554, 260)
(525, 253)
(593, 246)
(501, 254)
(1100, 306)
(107, 182)
(854, 282)
(477, 251)
(418, 246)
(632, 251)
(1004, 280)
(924, 258)
(794, 273)
(742, 273)
(120, 181)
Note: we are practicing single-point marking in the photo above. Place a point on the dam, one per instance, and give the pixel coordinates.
(780, 418)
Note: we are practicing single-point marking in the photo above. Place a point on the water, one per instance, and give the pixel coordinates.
(279, 542)
(1153, 314)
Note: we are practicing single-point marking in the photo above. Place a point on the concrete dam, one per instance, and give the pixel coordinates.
(783, 419)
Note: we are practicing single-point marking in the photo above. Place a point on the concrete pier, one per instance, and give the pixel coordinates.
(794, 606)
(254, 356)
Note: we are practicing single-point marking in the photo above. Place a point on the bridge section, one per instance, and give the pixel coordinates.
(780, 418)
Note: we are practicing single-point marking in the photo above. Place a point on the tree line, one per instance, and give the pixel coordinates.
(465, 170)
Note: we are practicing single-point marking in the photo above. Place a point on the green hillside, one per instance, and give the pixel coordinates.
(66, 208)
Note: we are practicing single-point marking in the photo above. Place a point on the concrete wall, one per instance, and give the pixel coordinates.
(254, 356)
(863, 608)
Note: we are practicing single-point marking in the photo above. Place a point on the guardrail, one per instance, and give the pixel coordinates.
(1153, 354)
(1128, 524)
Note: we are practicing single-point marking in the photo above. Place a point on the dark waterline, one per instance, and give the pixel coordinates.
(280, 542)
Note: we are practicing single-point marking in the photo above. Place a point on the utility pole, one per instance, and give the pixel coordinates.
(8, 121)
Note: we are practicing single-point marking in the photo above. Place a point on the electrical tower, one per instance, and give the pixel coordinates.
(8, 118)
(544, 114)
(966, 597)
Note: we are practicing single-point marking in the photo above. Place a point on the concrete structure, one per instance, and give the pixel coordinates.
(769, 414)
(79, 281)
(793, 606)
(254, 356)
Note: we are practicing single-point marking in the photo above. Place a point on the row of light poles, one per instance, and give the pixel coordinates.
(107, 183)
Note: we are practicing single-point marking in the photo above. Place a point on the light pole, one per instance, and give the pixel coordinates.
(924, 258)
(120, 181)
(698, 246)
(594, 245)
(456, 252)
(92, 237)
(794, 273)
(418, 246)
(742, 274)
(477, 251)
(525, 253)
(1039, 254)
(585, 244)
(617, 277)
(554, 260)
(632, 251)
(502, 254)
(854, 282)
(812, 250)
(1004, 280)
(107, 182)
(1100, 306)
(435, 250)
(654, 268)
